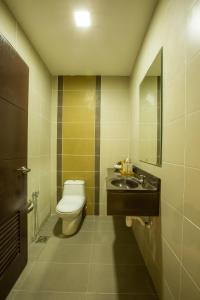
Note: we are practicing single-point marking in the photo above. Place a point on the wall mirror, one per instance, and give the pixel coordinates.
(150, 118)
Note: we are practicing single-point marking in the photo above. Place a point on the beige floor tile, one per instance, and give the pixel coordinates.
(57, 277)
(121, 237)
(117, 254)
(82, 237)
(119, 297)
(48, 296)
(66, 253)
(119, 279)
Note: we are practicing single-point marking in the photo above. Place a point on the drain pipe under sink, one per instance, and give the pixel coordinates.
(144, 221)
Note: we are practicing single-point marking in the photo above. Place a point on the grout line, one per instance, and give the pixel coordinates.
(197, 227)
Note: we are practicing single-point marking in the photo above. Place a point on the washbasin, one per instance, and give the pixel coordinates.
(124, 183)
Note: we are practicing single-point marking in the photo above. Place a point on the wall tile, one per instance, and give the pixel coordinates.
(78, 163)
(193, 89)
(78, 114)
(79, 98)
(172, 227)
(78, 147)
(193, 141)
(173, 143)
(74, 83)
(189, 290)
(87, 176)
(192, 195)
(78, 130)
(173, 185)
(191, 250)
(171, 270)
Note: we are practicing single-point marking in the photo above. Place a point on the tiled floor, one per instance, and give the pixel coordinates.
(101, 262)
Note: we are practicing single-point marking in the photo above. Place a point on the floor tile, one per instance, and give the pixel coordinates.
(110, 237)
(119, 279)
(57, 277)
(88, 224)
(83, 237)
(48, 296)
(117, 254)
(27, 270)
(114, 226)
(35, 250)
(119, 297)
(66, 253)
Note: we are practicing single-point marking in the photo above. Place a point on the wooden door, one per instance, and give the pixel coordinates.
(13, 155)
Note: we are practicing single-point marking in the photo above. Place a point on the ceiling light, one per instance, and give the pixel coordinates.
(82, 18)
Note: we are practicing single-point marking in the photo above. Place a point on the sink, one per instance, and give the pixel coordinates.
(131, 196)
(124, 183)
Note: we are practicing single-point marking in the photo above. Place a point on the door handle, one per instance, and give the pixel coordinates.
(24, 170)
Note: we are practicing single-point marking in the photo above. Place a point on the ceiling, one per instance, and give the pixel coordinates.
(109, 47)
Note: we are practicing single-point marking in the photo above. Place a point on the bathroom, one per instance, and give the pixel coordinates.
(82, 118)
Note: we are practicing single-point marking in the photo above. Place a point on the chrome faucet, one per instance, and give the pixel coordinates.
(140, 178)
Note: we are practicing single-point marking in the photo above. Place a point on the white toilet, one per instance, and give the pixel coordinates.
(70, 207)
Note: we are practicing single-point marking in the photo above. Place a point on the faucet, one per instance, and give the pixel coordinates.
(140, 178)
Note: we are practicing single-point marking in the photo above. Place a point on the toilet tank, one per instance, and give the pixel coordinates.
(74, 187)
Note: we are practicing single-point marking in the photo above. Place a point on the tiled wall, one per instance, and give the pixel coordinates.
(171, 248)
(39, 117)
(114, 137)
(76, 133)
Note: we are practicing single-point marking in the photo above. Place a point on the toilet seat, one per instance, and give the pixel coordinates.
(70, 204)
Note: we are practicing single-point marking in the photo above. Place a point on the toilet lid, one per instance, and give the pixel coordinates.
(69, 204)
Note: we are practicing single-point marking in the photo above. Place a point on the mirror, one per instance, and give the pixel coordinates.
(150, 118)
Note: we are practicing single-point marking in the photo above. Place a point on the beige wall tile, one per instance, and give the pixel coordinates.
(172, 223)
(174, 142)
(191, 250)
(115, 130)
(193, 89)
(77, 163)
(192, 195)
(192, 30)
(171, 270)
(173, 185)
(114, 83)
(78, 147)
(174, 104)
(174, 27)
(188, 289)
(193, 140)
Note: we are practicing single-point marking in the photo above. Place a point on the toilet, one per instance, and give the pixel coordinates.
(70, 207)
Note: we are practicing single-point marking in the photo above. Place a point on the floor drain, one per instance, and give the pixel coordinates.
(42, 239)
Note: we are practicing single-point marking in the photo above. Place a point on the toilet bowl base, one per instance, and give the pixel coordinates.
(70, 227)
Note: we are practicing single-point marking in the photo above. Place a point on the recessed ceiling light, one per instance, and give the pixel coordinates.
(82, 18)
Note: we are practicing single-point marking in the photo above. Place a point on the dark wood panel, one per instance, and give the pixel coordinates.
(13, 187)
(13, 137)
(13, 75)
(132, 204)
(13, 155)
(17, 262)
